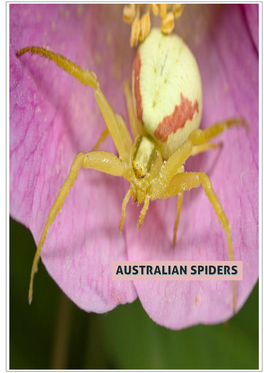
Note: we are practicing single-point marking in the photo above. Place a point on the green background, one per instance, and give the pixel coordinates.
(54, 333)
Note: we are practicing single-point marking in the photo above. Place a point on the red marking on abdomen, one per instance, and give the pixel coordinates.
(138, 98)
(170, 124)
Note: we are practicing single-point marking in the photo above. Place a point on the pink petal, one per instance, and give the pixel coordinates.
(47, 131)
(219, 38)
(52, 118)
(252, 16)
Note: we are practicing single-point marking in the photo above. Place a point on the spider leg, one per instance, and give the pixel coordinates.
(101, 139)
(143, 211)
(169, 169)
(196, 138)
(189, 180)
(87, 78)
(197, 149)
(199, 137)
(171, 192)
(100, 161)
(179, 206)
(126, 135)
(124, 204)
(131, 112)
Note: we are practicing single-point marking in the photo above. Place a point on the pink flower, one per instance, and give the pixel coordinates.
(53, 117)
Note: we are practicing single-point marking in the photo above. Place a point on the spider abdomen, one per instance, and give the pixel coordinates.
(167, 90)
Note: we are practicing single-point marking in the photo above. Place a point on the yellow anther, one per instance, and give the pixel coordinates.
(129, 13)
(141, 25)
(167, 24)
(144, 26)
(177, 10)
(135, 30)
(155, 9)
(163, 10)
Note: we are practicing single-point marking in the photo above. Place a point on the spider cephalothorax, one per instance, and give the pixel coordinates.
(165, 123)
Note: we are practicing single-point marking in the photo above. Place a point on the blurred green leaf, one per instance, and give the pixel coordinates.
(135, 342)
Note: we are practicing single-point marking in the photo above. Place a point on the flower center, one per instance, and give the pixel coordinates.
(141, 25)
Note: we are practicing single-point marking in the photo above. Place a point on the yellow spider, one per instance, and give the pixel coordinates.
(165, 120)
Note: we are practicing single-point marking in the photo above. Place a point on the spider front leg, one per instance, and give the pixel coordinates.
(126, 137)
(88, 78)
(205, 147)
(100, 161)
(188, 180)
(135, 128)
(199, 137)
(197, 142)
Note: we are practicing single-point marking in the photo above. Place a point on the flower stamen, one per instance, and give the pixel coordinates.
(141, 25)
(129, 13)
(177, 10)
(163, 10)
(135, 31)
(144, 26)
(167, 24)
(155, 9)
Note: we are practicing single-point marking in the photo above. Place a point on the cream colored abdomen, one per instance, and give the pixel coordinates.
(170, 90)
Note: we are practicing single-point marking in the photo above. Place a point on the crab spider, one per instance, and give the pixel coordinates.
(164, 119)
